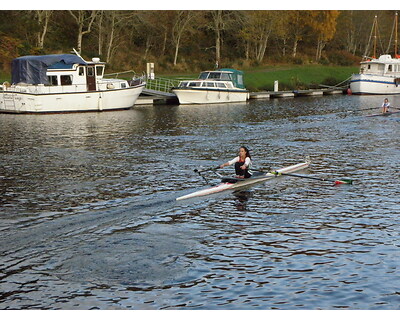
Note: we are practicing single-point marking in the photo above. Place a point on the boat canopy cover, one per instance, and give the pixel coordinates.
(32, 69)
(237, 77)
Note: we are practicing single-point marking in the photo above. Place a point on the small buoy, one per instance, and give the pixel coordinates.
(349, 91)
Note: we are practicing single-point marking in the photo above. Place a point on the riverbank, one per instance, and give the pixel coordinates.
(290, 77)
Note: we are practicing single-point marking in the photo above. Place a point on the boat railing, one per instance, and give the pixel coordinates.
(161, 84)
(116, 74)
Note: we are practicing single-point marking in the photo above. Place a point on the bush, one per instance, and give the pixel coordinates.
(342, 58)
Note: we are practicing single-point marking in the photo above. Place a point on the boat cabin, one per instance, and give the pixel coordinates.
(220, 79)
(58, 70)
(384, 65)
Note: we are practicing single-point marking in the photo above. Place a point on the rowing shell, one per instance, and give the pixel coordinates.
(382, 114)
(260, 177)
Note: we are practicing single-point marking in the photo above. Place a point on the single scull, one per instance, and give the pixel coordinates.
(382, 114)
(233, 183)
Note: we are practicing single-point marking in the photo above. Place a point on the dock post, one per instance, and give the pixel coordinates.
(276, 85)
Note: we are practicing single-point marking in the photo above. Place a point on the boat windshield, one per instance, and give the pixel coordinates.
(215, 75)
(203, 75)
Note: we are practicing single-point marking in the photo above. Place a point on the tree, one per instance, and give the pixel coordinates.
(84, 19)
(180, 25)
(43, 17)
(298, 23)
(324, 25)
(257, 29)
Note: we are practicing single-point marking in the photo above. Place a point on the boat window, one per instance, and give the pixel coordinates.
(210, 84)
(215, 75)
(194, 84)
(229, 85)
(183, 84)
(390, 67)
(203, 75)
(221, 85)
(99, 71)
(225, 76)
(123, 85)
(52, 80)
(81, 71)
(66, 80)
(240, 79)
(90, 71)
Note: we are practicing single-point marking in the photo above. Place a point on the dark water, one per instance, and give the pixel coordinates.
(88, 218)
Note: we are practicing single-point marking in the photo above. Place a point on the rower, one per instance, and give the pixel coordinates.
(385, 105)
(242, 163)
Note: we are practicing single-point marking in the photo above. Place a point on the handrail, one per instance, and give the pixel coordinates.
(161, 84)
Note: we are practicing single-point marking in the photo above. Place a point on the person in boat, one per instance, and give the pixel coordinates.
(242, 163)
(385, 105)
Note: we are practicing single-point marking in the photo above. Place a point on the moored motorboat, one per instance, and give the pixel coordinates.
(65, 83)
(220, 86)
(233, 183)
(378, 75)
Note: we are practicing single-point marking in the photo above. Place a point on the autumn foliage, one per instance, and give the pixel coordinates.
(193, 40)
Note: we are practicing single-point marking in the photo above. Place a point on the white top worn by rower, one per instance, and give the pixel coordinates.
(385, 105)
(242, 163)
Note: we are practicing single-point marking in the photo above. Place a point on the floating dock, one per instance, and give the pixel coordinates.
(153, 97)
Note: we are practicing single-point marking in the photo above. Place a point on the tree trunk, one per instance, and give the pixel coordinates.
(111, 38)
(176, 50)
(294, 52)
(83, 20)
(43, 19)
(100, 43)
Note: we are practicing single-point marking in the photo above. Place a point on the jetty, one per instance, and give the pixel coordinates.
(158, 92)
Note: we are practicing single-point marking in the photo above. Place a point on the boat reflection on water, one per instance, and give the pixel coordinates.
(242, 196)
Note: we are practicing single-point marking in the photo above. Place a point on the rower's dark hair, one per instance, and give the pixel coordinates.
(247, 151)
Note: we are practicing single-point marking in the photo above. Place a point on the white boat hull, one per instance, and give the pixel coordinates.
(228, 186)
(203, 96)
(374, 84)
(101, 100)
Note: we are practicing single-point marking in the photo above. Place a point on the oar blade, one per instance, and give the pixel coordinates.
(344, 181)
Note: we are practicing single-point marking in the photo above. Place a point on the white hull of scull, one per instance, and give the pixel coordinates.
(228, 186)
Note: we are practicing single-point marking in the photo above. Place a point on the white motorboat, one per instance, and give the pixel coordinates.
(377, 76)
(220, 86)
(65, 83)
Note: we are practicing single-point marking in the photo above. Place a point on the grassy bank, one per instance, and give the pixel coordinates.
(297, 77)
(290, 77)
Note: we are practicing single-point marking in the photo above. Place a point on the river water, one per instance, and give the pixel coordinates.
(88, 216)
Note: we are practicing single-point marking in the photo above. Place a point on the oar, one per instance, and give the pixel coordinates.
(341, 181)
(375, 108)
(205, 170)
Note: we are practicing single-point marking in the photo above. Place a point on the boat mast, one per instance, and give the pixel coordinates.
(395, 37)
(375, 35)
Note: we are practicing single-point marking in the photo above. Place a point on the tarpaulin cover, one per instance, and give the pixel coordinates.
(237, 77)
(32, 69)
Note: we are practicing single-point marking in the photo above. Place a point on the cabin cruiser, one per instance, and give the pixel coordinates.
(377, 76)
(220, 86)
(65, 83)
